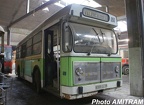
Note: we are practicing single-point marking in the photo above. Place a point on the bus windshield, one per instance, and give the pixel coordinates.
(7, 53)
(89, 39)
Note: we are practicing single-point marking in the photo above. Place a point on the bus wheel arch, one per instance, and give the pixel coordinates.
(36, 77)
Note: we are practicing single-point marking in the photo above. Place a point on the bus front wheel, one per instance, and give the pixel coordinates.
(37, 81)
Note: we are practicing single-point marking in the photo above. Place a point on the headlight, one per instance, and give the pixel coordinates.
(79, 71)
(117, 69)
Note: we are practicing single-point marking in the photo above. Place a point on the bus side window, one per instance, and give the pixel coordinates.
(23, 52)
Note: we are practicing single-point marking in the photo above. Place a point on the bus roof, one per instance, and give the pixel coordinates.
(78, 11)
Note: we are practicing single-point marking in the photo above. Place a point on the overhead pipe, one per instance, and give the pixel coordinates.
(28, 6)
(106, 8)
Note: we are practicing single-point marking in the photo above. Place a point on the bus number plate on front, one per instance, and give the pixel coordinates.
(101, 86)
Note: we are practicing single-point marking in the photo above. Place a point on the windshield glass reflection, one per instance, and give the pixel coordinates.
(93, 39)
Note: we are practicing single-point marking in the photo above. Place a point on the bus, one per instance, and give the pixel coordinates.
(73, 54)
(2, 32)
(7, 59)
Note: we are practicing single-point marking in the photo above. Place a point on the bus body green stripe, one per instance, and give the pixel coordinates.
(111, 59)
(66, 67)
(29, 65)
(64, 71)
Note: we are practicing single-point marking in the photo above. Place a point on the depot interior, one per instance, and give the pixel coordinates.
(21, 17)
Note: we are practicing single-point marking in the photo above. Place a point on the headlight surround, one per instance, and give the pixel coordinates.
(79, 71)
(117, 69)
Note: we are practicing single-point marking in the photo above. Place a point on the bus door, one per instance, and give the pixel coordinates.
(50, 64)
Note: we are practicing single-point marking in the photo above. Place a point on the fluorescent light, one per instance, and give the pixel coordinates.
(122, 25)
(60, 5)
(90, 3)
(46, 9)
(123, 40)
(83, 2)
(123, 45)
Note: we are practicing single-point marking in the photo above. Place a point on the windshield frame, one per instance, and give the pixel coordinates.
(111, 30)
(64, 35)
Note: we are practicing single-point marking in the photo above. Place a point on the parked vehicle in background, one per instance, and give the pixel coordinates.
(7, 59)
(2, 32)
(125, 66)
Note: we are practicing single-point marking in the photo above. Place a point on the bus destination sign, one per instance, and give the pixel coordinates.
(95, 14)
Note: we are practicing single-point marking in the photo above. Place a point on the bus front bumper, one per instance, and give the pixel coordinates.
(81, 91)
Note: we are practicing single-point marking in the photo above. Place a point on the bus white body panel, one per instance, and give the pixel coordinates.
(88, 90)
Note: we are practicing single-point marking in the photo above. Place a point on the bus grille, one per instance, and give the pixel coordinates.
(91, 72)
(108, 70)
(96, 72)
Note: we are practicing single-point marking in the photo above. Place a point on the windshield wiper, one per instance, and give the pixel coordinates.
(102, 35)
(93, 44)
(96, 34)
(103, 41)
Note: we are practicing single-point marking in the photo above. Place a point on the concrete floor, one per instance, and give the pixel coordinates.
(23, 94)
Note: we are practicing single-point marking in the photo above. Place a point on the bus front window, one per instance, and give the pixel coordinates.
(88, 39)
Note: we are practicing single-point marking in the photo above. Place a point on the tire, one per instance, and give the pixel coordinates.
(125, 70)
(37, 81)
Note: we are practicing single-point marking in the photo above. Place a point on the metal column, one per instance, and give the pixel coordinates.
(135, 23)
(8, 37)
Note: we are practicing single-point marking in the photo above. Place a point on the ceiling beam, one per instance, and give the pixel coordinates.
(16, 11)
(33, 11)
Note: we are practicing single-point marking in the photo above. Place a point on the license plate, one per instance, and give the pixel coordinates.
(101, 86)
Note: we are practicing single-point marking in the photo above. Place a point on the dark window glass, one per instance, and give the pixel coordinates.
(29, 51)
(37, 48)
(37, 37)
(23, 51)
(17, 52)
(20, 52)
(29, 42)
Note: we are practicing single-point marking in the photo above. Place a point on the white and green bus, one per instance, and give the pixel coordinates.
(73, 54)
